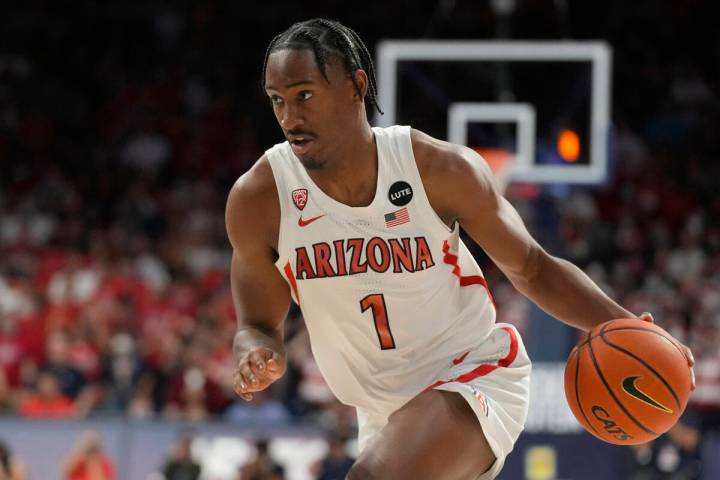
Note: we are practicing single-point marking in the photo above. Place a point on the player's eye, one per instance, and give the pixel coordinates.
(305, 95)
(275, 100)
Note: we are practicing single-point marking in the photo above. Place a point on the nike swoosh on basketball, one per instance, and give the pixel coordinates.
(305, 223)
(628, 385)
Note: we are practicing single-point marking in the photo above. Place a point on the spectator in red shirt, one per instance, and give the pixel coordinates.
(48, 400)
(87, 461)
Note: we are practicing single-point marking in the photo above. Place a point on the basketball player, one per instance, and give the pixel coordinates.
(360, 226)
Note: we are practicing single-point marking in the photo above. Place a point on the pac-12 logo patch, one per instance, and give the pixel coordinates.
(400, 193)
(300, 197)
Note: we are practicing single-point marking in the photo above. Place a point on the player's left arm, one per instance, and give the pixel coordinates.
(461, 187)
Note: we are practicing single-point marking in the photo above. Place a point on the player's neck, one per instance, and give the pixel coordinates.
(350, 176)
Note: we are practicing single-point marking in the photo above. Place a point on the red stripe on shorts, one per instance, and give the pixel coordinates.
(483, 370)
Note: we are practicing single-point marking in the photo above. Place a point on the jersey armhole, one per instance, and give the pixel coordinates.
(274, 158)
(407, 146)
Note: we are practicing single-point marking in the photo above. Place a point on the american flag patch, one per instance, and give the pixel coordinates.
(398, 217)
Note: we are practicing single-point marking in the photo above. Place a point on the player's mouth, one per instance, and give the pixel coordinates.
(301, 144)
(301, 147)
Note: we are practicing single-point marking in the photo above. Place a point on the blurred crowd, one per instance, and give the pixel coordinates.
(123, 127)
(87, 459)
(114, 292)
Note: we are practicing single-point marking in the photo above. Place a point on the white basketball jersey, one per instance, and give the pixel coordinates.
(390, 294)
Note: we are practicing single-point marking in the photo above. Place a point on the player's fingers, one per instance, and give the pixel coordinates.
(246, 371)
(240, 386)
(245, 396)
(257, 363)
(274, 362)
(243, 375)
(692, 377)
(239, 382)
(691, 361)
(647, 317)
(689, 355)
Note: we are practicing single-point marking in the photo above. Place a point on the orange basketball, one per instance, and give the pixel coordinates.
(627, 381)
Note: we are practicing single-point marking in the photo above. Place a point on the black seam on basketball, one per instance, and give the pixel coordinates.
(666, 337)
(612, 394)
(606, 326)
(630, 354)
(577, 394)
(588, 338)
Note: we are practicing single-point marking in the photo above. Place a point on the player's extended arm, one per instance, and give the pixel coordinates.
(462, 188)
(260, 294)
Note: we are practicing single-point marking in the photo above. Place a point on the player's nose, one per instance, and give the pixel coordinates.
(291, 119)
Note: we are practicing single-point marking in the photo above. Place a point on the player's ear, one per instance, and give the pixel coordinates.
(361, 80)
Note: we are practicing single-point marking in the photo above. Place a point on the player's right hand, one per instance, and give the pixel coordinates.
(647, 316)
(256, 369)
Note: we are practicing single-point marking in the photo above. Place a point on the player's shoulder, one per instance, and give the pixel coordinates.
(254, 185)
(441, 162)
(252, 203)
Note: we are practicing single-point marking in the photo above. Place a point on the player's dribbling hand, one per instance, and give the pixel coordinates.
(647, 316)
(256, 370)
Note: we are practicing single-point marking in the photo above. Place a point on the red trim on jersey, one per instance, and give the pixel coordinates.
(291, 278)
(459, 360)
(483, 370)
(451, 259)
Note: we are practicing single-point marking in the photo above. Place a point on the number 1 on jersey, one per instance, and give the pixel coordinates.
(376, 302)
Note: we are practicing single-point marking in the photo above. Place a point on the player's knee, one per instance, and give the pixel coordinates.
(364, 470)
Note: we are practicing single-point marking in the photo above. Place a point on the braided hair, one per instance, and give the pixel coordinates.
(328, 38)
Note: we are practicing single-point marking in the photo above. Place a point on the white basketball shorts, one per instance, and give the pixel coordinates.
(494, 379)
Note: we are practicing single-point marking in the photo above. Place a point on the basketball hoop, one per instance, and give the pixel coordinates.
(500, 161)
